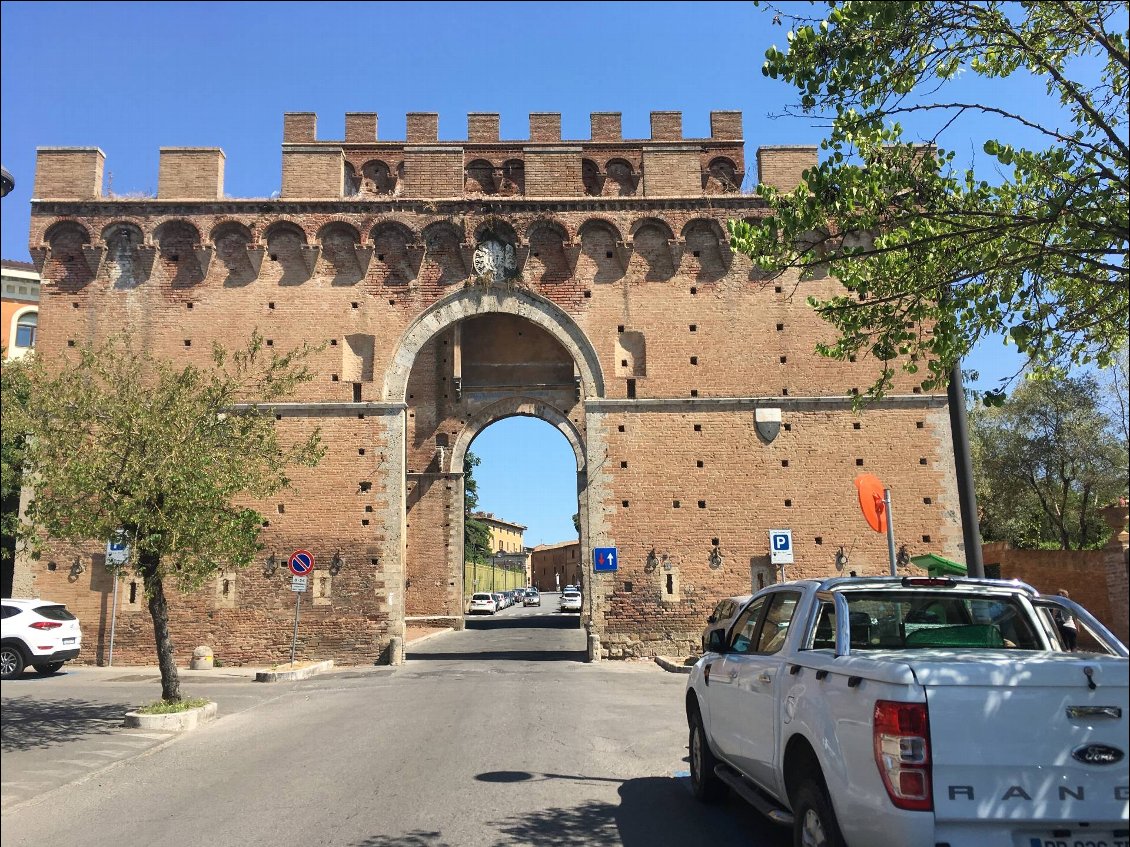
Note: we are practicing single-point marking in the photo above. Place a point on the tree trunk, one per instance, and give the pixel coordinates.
(159, 611)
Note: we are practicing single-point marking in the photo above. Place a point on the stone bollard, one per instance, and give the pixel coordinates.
(396, 650)
(202, 659)
(594, 647)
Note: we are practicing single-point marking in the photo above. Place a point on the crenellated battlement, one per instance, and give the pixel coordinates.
(542, 166)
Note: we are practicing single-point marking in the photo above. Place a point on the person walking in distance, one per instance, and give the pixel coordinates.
(1065, 623)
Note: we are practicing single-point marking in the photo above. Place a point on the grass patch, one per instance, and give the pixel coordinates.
(163, 708)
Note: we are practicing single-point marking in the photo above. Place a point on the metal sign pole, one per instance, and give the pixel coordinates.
(294, 640)
(890, 528)
(113, 623)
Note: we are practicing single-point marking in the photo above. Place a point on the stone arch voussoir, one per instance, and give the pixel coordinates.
(517, 407)
(469, 303)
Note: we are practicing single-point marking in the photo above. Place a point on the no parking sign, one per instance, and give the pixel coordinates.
(301, 562)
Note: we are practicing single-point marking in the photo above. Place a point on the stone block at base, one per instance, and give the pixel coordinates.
(298, 673)
(674, 665)
(174, 721)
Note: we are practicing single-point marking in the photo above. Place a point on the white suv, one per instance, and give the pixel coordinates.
(37, 633)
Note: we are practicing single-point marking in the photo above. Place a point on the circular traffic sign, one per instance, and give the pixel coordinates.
(301, 562)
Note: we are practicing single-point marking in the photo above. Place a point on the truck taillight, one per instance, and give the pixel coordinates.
(901, 733)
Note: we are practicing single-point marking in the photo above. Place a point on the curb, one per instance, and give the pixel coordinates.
(300, 673)
(672, 665)
(174, 721)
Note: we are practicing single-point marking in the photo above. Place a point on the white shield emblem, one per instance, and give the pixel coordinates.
(768, 423)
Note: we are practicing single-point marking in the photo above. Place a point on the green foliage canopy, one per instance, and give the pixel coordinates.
(934, 258)
(118, 440)
(1045, 462)
(476, 534)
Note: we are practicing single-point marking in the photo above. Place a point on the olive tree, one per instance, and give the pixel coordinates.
(119, 441)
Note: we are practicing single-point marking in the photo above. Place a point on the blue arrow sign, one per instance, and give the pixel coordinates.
(604, 559)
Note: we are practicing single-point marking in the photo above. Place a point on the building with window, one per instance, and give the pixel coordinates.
(554, 566)
(19, 318)
(506, 541)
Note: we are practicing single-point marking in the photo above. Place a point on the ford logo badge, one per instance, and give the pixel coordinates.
(1097, 754)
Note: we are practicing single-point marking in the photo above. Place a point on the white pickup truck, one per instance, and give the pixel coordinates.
(915, 712)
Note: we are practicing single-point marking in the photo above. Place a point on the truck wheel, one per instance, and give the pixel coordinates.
(815, 824)
(48, 668)
(705, 785)
(11, 661)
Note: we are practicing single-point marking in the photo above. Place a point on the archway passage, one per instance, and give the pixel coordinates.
(467, 375)
(521, 498)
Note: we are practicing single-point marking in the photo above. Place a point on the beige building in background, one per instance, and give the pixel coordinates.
(19, 318)
(553, 566)
(506, 543)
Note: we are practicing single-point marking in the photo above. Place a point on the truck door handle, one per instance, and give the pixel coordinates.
(764, 677)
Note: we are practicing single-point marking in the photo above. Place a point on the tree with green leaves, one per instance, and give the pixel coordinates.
(476, 534)
(14, 390)
(1046, 461)
(118, 441)
(934, 257)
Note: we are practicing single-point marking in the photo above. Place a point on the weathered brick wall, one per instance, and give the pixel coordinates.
(664, 328)
(191, 173)
(69, 172)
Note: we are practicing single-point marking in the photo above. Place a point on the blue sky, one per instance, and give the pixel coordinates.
(133, 77)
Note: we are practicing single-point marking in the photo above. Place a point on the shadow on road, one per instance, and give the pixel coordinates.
(516, 655)
(29, 724)
(652, 810)
(540, 622)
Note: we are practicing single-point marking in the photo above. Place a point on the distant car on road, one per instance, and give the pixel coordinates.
(571, 601)
(37, 633)
(532, 598)
(483, 603)
(500, 599)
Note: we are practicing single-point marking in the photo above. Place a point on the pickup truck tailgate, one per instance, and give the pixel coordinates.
(1027, 738)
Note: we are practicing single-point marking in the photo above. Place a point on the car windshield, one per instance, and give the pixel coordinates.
(912, 620)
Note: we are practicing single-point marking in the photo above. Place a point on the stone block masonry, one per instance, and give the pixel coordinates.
(586, 282)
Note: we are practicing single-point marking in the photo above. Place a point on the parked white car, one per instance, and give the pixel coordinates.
(483, 603)
(571, 601)
(37, 633)
(914, 712)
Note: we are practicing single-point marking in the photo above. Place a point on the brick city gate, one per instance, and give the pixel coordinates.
(587, 282)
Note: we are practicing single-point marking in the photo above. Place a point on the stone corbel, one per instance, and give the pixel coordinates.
(255, 254)
(572, 250)
(93, 254)
(415, 253)
(467, 251)
(677, 247)
(624, 254)
(364, 254)
(144, 255)
(39, 257)
(310, 254)
(521, 254)
(203, 254)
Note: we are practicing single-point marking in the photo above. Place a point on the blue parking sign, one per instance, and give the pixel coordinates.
(781, 546)
(603, 559)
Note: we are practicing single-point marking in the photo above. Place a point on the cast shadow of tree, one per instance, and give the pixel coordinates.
(35, 724)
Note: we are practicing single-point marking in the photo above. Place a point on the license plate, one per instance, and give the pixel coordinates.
(1089, 839)
(68, 641)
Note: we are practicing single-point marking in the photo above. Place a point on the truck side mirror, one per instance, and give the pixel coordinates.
(716, 641)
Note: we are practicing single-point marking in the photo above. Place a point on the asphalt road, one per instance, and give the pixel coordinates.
(497, 735)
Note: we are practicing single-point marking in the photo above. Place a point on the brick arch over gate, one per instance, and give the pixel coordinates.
(517, 407)
(469, 303)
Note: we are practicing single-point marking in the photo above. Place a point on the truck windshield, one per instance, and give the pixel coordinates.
(893, 620)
